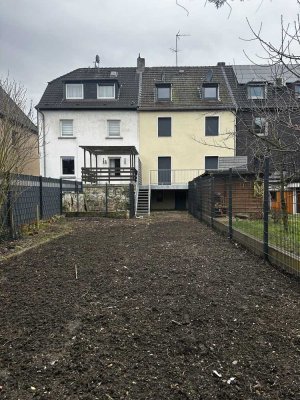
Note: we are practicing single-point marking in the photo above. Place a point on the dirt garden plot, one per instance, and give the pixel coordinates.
(161, 309)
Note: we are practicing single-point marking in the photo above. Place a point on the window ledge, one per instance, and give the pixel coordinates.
(67, 137)
(114, 137)
(68, 176)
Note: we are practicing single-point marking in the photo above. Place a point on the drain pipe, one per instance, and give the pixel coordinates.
(43, 139)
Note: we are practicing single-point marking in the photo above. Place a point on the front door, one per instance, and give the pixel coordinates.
(115, 164)
(164, 170)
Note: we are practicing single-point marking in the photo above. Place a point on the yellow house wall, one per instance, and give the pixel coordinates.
(188, 144)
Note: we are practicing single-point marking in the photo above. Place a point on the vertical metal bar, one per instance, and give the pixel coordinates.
(61, 195)
(230, 203)
(77, 196)
(84, 156)
(200, 199)
(212, 200)
(106, 199)
(41, 197)
(266, 209)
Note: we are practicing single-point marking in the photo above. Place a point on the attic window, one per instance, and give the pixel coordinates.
(106, 91)
(297, 91)
(113, 74)
(210, 91)
(74, 91)
(163, 92)
(256, 92)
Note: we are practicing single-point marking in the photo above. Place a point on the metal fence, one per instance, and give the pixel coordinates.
(260, 213)
(30, 198)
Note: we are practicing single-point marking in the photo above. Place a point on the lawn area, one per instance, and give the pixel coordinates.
(287, 240)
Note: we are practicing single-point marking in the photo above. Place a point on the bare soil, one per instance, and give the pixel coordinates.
(162, 308)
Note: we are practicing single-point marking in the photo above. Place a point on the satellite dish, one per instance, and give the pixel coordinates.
(209, 76)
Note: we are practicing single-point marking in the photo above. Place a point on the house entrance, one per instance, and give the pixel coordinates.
(164, 170)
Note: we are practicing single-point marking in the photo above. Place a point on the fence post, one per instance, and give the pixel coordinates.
(266, 209)
(212, 200)
(41, 197)
(61, 195)
(106, 199)
(200, 199)
(10, 215)
(77, 196)
(230, 204)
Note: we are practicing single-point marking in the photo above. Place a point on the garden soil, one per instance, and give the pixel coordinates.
(161, 308)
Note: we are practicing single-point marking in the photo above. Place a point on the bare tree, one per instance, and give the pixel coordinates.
(18, 136)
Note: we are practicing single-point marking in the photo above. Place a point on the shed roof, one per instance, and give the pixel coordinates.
(111, 150)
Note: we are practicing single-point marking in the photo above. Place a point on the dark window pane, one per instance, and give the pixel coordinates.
(164, 126)
(164, 92)
(256, 92)
(210, 91)
(68, 166)
(211, 126)
(211, 162)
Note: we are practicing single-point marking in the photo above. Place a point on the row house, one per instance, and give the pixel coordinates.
(159, 127)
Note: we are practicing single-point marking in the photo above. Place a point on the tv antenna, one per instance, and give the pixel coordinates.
(176, 51)
(97, 61)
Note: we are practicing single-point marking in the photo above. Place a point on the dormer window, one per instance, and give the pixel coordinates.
(297, 91)
(74, 91)
(260, 126)
(256, 92)
(106, 91)
(163, 92)
(210, 91)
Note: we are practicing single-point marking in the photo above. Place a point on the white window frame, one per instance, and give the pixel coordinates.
(108, 126)
(208, 169)
(164, 86)
(256, 97)
(164, 116)
(213, 116)
(61, 166)
(262, 134)
(209, 86)
(61, 127)
(74, 98)
(98, 91)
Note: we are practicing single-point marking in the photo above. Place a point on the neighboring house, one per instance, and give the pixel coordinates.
(19, 139)
(89, 124)
(268, 125)
(187, 126)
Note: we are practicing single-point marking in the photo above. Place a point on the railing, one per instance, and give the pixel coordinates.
(103, 175)
(173, 176)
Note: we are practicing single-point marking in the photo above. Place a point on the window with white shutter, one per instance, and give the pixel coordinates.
(66, 126)
(113, 127)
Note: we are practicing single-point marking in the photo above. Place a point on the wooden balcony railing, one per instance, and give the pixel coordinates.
(103, 175)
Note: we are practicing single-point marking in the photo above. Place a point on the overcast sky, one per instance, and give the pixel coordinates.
(41, 40)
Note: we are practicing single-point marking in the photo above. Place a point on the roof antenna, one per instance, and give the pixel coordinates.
(176, 51)
(97, 61)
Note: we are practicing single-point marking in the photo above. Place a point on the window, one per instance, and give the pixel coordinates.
(106, 91)
(74, 91)
(211, 126)
(260, 126)
(211, 162)
(297, 91)
(256, 92)
(164, 126)
(113, 127)
(68, 166)
(66, 127)
(210, 91)
(163, 92)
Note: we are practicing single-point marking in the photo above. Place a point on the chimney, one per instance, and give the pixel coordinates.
(221, 64)
(140, 64)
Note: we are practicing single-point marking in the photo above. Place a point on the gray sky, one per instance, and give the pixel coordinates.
(41, 40)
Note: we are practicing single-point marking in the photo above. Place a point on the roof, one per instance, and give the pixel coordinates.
(111, 150)
(186, 83)
(266, 73)
(127, 78)
(8, 108)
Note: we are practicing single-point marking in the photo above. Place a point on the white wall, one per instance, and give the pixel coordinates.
(89, 129)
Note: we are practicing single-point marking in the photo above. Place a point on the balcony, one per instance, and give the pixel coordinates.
(98, 176)
(172, 178)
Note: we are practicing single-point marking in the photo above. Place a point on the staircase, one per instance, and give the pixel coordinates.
(143, 202)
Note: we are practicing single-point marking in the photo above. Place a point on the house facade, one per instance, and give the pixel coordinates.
(187, 126)
(18, 137)
(87, 118)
